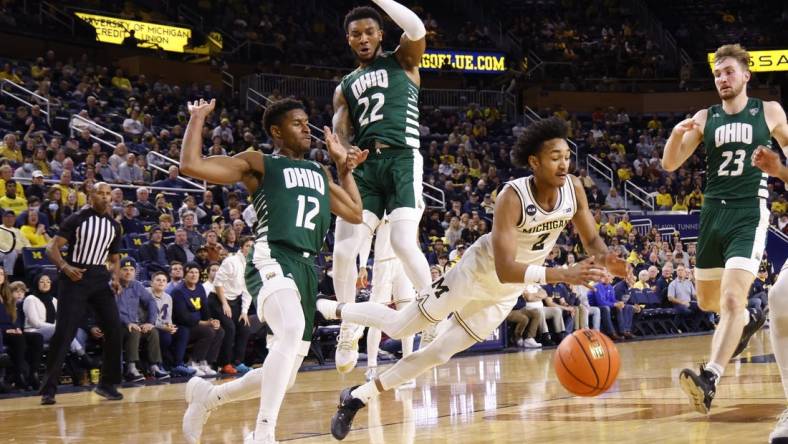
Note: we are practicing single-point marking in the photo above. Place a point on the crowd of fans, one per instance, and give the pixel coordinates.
(176, 242)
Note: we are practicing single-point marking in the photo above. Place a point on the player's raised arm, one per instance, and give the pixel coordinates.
(345, 198)
(508, 212)
(343, 127)
(583, 221)
(223, 170)
(683, 140)
(412, 43)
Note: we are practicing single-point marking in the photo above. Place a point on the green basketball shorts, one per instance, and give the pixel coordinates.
(732, 236)
(389, 179)
(270, 268)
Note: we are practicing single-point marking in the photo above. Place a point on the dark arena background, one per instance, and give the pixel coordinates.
(97, 91)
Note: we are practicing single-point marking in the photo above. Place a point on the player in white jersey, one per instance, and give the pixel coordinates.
(482, 288)
(769, 161)
(390, 285)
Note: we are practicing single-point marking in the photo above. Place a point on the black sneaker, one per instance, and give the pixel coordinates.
(109, 392)
(47, 399)
(343, 419)
(757, 319)
(700, 388)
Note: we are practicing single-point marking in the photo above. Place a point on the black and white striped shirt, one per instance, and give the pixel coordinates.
(91, 237)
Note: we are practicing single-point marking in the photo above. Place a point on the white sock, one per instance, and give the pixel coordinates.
(131, 367)
(407, 341)
(366, 392)
(778, 325)
(717, 369)
(347, 243)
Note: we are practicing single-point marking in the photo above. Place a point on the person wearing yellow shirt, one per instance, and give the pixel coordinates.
(654, 123)
(121, 82)
(9, 73)
(35, 232)
(780, 206)
(6, 173)
(610, 226)
(66, 189)
(642, 282)
(12, 201)
(679, 206)
(10, 149)
(664, 199)
(624, 223)
(697, 194)
(624, 173)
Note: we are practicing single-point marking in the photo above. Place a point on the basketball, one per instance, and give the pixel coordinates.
(586, 363)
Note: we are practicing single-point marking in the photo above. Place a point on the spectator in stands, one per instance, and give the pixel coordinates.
(65, 187)
(614, 201)
(176, 276)
(224, 132)
(664, 280)
(596, 198)
(129, 221)
(454, 232)
(603, 296)
(562, 297)
(535, 297)
(25, 348)
(212, 246)
(121, 82)
(681, 293)
(180, 250)
(34, 231)
(192, 317)
(524, 317)
(11, 150)
(20, 241)
(6, 174)
(129, 172)
(145, 209)
(172, 181)
(16, 203)
(230, 304)
(40, 309)
(166, 329)
(37, 188)
(208, 207)
(167, 229)
(664, 200)
(153, 255)
(132, 298)
(759, 292)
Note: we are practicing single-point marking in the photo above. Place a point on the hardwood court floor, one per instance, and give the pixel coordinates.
(502, 398)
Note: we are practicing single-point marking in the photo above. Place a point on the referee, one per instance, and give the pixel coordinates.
(93, 238)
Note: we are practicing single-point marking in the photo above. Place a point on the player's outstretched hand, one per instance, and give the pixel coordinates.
(685, 126)
(616, 266)
(336, 151)
(583, 272)
(767, 160)
(201, 108)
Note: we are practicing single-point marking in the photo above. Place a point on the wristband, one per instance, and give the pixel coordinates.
(535, 274)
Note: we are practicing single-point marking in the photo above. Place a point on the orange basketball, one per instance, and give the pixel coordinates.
(586, 363)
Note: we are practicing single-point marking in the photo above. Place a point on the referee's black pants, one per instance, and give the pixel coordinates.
(73, 299)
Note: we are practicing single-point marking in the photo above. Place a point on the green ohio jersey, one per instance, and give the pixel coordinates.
(383, 104)
(730, 140)
(292, 204)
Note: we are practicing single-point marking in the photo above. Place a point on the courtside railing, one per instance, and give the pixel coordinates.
(638, 194)
(78, 123)
(8, 85)
(593, 163)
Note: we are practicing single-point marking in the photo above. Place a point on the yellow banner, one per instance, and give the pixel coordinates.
(149, 35)
(763, 61)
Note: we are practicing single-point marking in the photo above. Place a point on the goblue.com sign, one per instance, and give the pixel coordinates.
(149, 35)
(465, 61)
(763, 61)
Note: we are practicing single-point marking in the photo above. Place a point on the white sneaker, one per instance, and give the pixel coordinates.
(327, 308)
(197, 392)
(371, 373)
(254, 438)
(346, 355)
(198, 371)
(781, 429)
(531, 343)
(520, 343)
(428, 335)
(207, 369)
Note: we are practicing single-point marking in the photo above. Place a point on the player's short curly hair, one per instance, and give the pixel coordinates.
(363, 12)
(531, 141)
(276, 111)
(736, 51)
